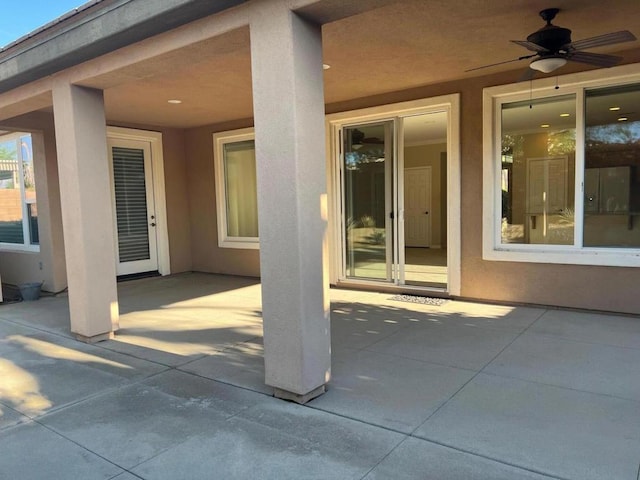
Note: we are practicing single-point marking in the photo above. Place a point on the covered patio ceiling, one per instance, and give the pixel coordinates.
(403, 45)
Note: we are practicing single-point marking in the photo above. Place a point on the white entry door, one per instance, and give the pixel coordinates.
(417, 207)
(133, 206)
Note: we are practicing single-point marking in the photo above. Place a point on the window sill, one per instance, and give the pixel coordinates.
(606, 257)
(11, 248)
(240, 244)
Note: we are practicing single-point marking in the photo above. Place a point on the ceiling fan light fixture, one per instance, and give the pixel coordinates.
(548, 64)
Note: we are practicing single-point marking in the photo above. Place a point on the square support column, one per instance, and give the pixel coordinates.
(87, 213)
(288, 104)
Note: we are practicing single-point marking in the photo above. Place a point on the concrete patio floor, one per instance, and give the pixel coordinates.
(456, 391)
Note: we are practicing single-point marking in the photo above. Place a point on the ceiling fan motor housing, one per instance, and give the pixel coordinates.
(551, 38)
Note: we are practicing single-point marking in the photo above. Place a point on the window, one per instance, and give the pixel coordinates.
(18, 206)
(612, 167)
(562, 173)
(236, 190)
(538, 156)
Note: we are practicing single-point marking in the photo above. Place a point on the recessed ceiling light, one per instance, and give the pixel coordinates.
(614, 109)
(544, 125)
(174, 101)
(326, 66)
(565, 114)
(622, 119)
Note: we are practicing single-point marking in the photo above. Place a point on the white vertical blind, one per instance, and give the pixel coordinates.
(131, 204)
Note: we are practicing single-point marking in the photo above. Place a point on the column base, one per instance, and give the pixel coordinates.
(94, 339)
(295, 397)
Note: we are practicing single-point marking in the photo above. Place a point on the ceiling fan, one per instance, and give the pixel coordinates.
(553, 48)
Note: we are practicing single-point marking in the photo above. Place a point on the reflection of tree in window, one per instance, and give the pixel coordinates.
(562, 142)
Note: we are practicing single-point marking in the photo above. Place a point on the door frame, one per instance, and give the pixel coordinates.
(159, 196)
(334, 125)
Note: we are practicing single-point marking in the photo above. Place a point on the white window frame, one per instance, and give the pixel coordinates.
(493, 99)
(220, 139)
(26, 246)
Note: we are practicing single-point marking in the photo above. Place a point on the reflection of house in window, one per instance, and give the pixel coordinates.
(7, 176)
(612, 168)
(18, 211)
(606, 190)
(612, 184)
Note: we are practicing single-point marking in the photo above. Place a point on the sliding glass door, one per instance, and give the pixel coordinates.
(368, 157)
(394, 200)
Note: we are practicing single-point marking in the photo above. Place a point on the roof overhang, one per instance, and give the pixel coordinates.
(94, 29)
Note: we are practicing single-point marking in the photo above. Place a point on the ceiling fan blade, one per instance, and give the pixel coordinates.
(601, 40)
(501, 63)
(534, 47)
(597, 59)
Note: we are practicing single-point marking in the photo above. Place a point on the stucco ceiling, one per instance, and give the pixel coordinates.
(403, 45)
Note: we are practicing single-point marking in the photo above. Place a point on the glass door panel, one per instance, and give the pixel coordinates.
(423, 199)
(367, 188)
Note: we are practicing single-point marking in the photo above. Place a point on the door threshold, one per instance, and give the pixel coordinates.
(398, 289)
(136, 276)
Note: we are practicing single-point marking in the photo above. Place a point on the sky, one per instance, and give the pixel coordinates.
(20, 17)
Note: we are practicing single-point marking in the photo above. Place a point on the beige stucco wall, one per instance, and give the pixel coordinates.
(191, 211)
(591, 287)
(177, 196)
(576, 286)
(47, 265)
(207, 256)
